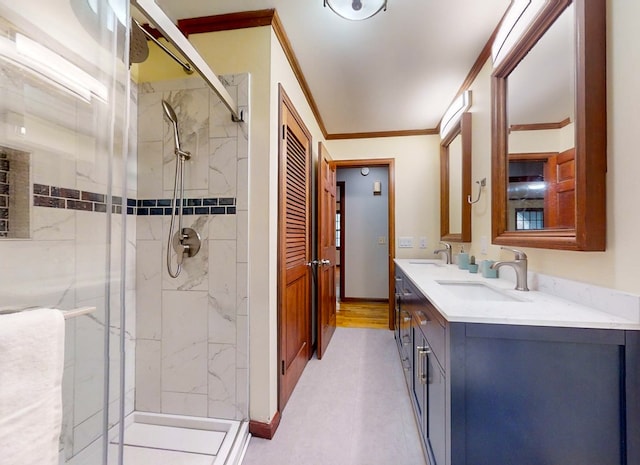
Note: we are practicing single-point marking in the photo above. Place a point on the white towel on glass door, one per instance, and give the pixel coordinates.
(31, 364)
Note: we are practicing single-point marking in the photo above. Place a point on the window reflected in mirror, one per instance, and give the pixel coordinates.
(543, 183)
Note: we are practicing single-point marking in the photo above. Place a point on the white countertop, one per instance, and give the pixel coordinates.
(531, 308)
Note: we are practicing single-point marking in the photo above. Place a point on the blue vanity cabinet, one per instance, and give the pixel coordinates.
(498, 394)
(429, 389)
(425, 375)
(535, 395)
(403, 326)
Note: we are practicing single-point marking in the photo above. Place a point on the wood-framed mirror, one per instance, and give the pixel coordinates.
(455, 182)
(549, 132)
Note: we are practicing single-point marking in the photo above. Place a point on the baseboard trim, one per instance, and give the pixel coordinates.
(265, 430)
(362, 299)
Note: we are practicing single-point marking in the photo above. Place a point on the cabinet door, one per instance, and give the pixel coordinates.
(420, 377)
(537, 396)
(436, 425)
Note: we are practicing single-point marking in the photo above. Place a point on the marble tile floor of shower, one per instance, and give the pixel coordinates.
(350, 408)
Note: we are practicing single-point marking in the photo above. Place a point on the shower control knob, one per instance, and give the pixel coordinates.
(186, 243)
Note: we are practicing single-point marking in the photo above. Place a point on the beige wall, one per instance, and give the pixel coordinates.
(619, 266)
(417, 183)
(545, 140)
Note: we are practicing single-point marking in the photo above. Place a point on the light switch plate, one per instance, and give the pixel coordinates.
(405, 242)
(423, 242)
(382, 240)
(484, 245)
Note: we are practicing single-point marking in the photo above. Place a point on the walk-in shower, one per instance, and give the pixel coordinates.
(185, 241)
(158, 363)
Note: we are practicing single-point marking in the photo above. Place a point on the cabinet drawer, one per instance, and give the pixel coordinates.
(425, 317)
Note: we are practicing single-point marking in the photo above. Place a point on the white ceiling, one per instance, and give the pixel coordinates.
(397, 71)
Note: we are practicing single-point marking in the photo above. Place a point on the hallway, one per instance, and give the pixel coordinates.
(351, 408)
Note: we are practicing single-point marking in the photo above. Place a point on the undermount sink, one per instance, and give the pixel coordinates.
(426, 262)
(473, 290)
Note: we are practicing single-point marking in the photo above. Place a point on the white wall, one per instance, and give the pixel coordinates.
(365, 220)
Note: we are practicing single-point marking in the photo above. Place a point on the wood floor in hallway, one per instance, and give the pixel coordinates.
(362, 314)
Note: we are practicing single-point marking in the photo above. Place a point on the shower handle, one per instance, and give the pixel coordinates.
(186, 243)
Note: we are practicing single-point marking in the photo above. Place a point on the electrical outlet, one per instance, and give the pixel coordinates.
(423, 242)
(405, 242)
(484, 245)
(382, 240)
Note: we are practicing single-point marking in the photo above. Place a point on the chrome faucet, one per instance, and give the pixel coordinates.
(446, 251)
(519, 264)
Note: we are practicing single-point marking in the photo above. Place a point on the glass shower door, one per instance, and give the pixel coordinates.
(64, 89)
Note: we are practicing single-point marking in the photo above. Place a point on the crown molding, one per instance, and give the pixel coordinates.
(269, 17)
(540, 126)
(372, 135)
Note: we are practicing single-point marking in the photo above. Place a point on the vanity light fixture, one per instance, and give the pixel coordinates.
(453, 114)
(356, 10)
(516, 21)
(47, 65)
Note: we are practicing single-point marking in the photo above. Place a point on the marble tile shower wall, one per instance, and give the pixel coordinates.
(192, 332)
(65, 262)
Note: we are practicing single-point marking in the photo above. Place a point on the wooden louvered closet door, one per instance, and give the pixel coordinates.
(294, 324)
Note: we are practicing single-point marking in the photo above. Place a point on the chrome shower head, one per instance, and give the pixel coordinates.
(138, 47)
(173, 119)
(169, 112)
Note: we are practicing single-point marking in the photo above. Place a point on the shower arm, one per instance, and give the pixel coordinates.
(170, 31)
(186, 66)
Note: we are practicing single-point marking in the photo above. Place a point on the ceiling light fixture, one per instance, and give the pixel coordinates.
(356, 10)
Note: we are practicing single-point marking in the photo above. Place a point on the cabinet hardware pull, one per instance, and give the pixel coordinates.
(423, 353)
(422, 318)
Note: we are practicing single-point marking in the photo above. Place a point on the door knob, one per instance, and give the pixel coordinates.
(324, 262)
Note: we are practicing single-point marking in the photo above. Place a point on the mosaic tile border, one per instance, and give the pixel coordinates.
(74, 199)
(4, 195)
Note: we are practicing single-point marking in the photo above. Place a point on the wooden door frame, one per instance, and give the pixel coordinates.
(389, 163)
(341, 186)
